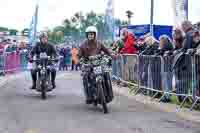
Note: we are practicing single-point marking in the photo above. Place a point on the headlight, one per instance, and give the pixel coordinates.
(107, 69)
(48, 67)
(42, 71)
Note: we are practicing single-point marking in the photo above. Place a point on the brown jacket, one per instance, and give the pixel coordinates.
(96, 48)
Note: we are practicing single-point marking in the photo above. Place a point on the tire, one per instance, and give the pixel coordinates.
(43, 90)
(108, 88)
(102, 96)
(105, 108)
(85, 87)
(95, 103)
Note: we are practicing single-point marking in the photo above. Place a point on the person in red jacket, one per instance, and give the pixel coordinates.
(129, 42)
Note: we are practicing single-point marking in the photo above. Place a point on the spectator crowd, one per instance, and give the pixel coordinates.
(13, 55)
(185, 41)
(68, 58)
(186, 37)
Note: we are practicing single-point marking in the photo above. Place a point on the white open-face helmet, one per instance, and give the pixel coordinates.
(91, 29)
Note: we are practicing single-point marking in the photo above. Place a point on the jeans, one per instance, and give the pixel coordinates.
(114, 67)
(74, 65)
(167, 83)
(119, 68)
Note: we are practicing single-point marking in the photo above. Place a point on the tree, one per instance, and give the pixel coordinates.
(56, 35)
(52, 37)
(25, 32)
(129, 15)
(59, 28)
(13, 31)
(119, 22)
(3, 29)
(76, 25)
(59, 36)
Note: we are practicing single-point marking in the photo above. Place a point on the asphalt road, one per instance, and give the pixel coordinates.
(64, 111)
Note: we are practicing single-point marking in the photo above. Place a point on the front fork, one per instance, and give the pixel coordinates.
(38, 81)
(90, 82)
(98, 80)
(41, 78)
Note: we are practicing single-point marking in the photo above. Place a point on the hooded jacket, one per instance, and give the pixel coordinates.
(129, 43)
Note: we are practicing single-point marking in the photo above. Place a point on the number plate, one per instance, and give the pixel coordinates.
(107, 69)
(98, 70)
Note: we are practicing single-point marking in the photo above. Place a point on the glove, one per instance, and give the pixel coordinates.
(56, 60)
(30, 60)
(198, 52)
(191, 51)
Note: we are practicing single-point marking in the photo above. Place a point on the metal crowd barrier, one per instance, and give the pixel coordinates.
(2, 64)
(125, 69)
(150, 75)
(23, 60)
(11, 62)
(129, 67)
(160, 77)
(196, 79)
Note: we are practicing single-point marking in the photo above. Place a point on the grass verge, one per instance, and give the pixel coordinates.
(173, 98)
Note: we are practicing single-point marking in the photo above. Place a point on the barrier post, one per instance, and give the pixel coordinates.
(186, 78)
(195, 83)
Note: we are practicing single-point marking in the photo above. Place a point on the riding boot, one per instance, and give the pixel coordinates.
(34, 78)
(53, 77)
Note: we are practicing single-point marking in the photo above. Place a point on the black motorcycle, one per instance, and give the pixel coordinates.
(96, 79)
(43, 65)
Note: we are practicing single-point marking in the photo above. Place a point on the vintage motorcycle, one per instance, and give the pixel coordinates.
(96, 79)
(43, 66)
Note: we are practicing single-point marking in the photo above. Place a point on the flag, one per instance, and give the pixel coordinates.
(109, 17)
(186, 8)
(33, 27)
(180, 8)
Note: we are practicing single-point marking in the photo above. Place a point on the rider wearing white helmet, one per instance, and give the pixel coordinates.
(92, 47)
(91, 33)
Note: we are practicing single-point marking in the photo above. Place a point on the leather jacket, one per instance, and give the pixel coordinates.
(92, 48)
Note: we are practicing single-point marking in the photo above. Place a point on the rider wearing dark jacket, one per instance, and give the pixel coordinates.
(43, 47)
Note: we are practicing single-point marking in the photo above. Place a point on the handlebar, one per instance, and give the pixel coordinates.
(35, 60)
(99, 56)
(96, 60)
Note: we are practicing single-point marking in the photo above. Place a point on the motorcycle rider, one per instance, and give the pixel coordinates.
(92, 47)
(43, 47)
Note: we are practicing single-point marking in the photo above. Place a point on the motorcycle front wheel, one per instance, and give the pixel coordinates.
(102, 97)
(43, 90)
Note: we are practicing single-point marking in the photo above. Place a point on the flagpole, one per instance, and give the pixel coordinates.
(186, 9)
(36, 23)
(33, 27)
(152, 18)
(113, 19)
(109, 17)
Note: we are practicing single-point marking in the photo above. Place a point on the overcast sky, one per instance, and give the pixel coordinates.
(18, 13)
